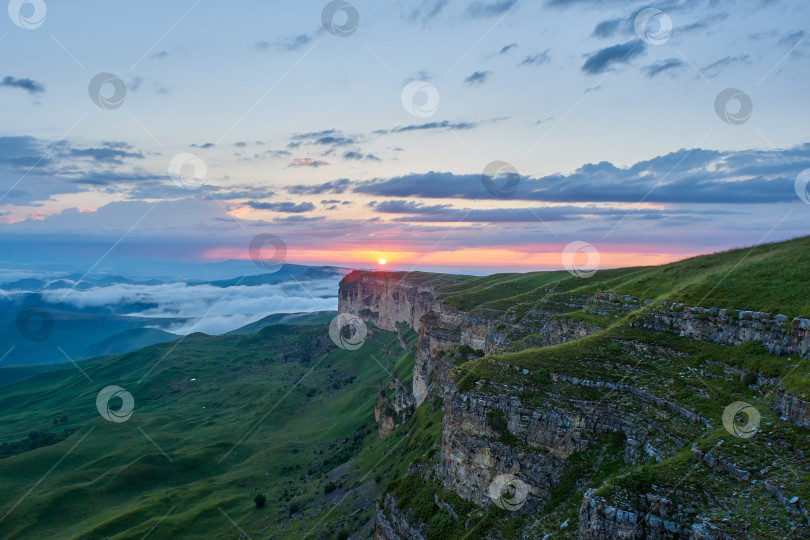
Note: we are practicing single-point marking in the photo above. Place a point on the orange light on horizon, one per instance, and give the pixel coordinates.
(524, 258)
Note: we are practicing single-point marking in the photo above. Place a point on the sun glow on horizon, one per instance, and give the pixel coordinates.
(382, 261)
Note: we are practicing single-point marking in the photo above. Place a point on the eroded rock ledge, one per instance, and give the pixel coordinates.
(539, 437)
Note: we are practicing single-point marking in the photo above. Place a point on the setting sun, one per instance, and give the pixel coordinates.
(382, 261)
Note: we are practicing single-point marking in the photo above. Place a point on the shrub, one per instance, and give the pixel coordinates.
(540, 377)
(639, 480)
(329, 487)
(260, 499)
(496, 421)
(466, 380)
(750, 378)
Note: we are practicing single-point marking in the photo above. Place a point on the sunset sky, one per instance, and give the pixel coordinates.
(372, 144)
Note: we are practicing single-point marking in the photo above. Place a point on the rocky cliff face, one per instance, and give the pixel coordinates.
(392, 524)
(792, 409)
(658, 518)
(530, 434)
(390, 413)
(386, 299)
(779, 335)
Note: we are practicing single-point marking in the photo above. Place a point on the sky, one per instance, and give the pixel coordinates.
(472, 137)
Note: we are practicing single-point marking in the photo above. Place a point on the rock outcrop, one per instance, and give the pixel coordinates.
(537, 431)
(657, 518)
(792, 409)
(729, 327)
(392, 524)
(389, 414)
(385, 299)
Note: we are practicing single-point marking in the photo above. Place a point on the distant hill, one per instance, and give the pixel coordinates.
(316, 317)
(288, 272)
(76, 334)
(128, 340)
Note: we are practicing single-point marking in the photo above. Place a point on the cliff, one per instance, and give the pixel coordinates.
(561, 389)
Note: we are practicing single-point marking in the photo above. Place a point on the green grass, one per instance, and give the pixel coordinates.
(769, 277)
(262, 416)
(284, 413)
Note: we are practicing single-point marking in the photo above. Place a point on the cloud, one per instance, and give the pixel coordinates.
(444, 124)
(334, 186)
(792, 39)
(105, 154)
(29, 85)
(602, 60)
(357, 156)
(529, 215)
(506, 48)
(607, 29)
(686, 176)
(204, 306)
(537, 59)
(160, 55)
(704, 22)
(235, 192)
(426, 12)
(477, 78)
(334, 138)
(135, 83)
(286, 43)
(653, 70)
(286, 207)
(308, 162)
(716, 68)
(58, 167)
(479, 10)
(407, 207)
(203, 146)
(298, 219)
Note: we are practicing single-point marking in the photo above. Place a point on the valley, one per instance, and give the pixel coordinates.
(537, 405)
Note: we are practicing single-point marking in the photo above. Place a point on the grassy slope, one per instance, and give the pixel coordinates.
(693, 374)
(109, 480)
(771, 277)
(127, 341)
(316, 317)
(122, 485)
